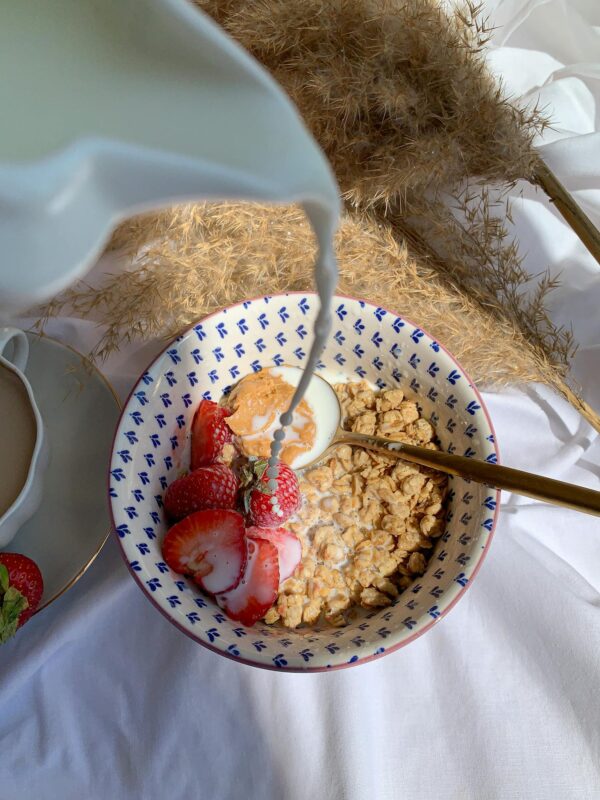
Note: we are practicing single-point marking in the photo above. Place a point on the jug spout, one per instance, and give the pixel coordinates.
(122, 106)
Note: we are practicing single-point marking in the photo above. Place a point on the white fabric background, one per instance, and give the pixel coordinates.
(101, 697)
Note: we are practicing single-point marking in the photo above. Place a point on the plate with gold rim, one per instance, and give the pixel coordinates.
(80, 411)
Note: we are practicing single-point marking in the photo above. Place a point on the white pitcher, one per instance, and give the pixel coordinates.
(112, 107)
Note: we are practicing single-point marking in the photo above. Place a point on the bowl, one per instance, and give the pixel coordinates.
(366, 341)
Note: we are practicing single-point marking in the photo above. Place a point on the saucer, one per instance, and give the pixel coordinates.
(80, 412)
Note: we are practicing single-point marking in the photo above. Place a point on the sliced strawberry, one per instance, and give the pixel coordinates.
(256, 592)
(210, 547)
(289, 549)
(206, 487)
(210, 433)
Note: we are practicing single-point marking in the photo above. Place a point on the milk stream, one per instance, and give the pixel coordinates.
(323, 219)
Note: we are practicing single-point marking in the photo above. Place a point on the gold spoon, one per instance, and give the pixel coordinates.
(321, 395)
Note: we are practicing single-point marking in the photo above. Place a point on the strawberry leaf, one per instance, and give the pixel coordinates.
(260, 467)
(13, 604)
(253, 472)
(246, 475)
(4, 580)
(253, 479)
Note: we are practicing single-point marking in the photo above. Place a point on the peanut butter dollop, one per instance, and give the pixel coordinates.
(256, 403)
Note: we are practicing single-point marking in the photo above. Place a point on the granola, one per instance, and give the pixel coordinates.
(368, 522)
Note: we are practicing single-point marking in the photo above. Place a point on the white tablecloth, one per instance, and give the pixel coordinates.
(100, 697)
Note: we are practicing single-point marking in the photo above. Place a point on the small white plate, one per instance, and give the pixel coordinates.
(80, 413)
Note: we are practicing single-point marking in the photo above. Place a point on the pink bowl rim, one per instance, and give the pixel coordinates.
(334, 667)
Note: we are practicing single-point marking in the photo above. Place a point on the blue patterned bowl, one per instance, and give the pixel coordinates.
(366, 342)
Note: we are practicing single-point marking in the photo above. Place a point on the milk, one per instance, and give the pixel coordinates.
(324, 221)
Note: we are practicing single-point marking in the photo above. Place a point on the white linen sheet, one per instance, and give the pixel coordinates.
(100, 697)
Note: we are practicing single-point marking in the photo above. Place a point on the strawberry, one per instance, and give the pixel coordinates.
(21, 589)
(258, 498)
(209, 546)
(289, 549)
(210, 433)
(206, 487)
(256, 592)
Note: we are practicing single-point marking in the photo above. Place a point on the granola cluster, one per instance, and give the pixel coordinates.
(368, 521)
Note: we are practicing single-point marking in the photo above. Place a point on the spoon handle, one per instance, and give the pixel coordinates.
(494, 475)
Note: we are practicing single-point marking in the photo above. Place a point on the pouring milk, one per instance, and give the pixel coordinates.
(112, 108)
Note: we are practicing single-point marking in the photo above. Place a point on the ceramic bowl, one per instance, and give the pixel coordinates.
(367, 342)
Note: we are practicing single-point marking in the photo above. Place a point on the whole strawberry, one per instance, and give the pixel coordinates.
(21, 589)
(210, 433)
(258, 497)
(206, 487)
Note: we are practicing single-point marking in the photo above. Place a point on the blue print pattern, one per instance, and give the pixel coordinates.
(366, 342)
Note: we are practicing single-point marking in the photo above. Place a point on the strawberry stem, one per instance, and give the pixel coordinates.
(252, 479)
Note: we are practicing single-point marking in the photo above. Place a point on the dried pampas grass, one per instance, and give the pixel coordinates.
(398, 94)
(195, 259)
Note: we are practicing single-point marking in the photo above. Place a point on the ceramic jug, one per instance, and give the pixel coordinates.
(113, 107)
